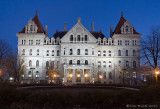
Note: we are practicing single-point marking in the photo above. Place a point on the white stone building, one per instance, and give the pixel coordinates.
(83, 56)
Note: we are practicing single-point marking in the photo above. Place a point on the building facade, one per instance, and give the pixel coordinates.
(81, 56)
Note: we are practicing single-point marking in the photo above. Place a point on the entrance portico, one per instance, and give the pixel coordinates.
(78, 74)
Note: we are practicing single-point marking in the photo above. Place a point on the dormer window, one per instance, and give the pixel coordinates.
(31, 27)
(126, 29)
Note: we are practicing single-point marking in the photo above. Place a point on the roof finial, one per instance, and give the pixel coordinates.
(65, 28)
(121, 13)
(36, 12)
(79, 19)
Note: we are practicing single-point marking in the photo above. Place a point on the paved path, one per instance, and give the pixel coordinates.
(100, 87)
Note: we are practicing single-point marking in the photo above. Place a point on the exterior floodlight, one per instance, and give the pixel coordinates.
(78, 75)
(70, 75)
(86, 75)
(100, 76)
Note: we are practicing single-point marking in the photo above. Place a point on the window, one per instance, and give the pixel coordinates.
(104, 53)
(134, 64)
(70, 52)
(127, 74)
(70, 62)
(78, 51)
(92, 51)
(37, 42)
(47, 53)
(134, 74)
(86, 51)
(52, 52)
(37, 52)
(24, 42)
(52, 42)
(47, 64)
(110, 75)
(29, 74)
(126, 42)
(86, 62)
(58, 53)
(109, 53)
(30, 53)
(37, 63)
(134, 42)
(134, 53)
(30, 42)
(23, 52)
(104, 63)
(119, 63)
(119, 52)
(126, 52)
(109, 42)
(30, 63)
(109, 64)
(37, 74)
(64, 51)
(78, 37)
(71, 38)
(99, 64)
(126, 28)
(99, 53)
(78, 62)
(119, 42)
(85, 38)
(127, 64)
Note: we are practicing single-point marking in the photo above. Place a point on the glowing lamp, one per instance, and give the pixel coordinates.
(86, 75)
(70, 75)
(78, 75)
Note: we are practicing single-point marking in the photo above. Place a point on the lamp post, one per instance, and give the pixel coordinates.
(156, 77)
(32, 73)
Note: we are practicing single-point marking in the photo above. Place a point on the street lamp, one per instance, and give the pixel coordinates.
(156, 74)
(32, 73)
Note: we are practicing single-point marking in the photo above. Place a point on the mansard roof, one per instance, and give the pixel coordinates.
(38, 23)
(59, 34)
(120, 23)
(98, 34)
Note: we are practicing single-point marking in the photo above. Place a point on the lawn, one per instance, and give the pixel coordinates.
(52, 98)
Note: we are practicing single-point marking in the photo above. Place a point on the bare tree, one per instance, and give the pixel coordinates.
(151, 48)
(15, 66)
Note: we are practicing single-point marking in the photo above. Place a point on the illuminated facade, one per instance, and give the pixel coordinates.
(82, 56)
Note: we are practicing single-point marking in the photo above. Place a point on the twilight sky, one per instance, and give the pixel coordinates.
(14, 14)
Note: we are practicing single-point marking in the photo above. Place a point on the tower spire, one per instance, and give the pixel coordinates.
(36, 12)
(121, 13)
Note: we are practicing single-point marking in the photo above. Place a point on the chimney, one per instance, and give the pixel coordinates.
(92, 26)
(111, 30)
(65, 28)
(46, 30)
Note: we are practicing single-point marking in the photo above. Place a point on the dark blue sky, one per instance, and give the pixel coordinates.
(14, 14)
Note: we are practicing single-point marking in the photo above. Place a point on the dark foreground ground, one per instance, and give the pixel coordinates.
(78, 97)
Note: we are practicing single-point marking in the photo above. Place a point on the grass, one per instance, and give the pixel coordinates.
(11, 98)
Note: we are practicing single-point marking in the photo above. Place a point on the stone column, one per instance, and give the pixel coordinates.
(82, 76)
(74, 77)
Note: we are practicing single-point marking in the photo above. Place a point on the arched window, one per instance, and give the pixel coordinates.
(57, 52)
(127, 29)
(92, 51)
(119, 62)
(78, 51)
(126, 52)
(70, 62)
(110, 75)
(78, 38)
(134, 53)
(70, 52)
(104, 53)
(85, 37)
(99, 53)
(78, 62)
(86, 51)
(23, 52)
(37, 74)
(127, 64)
(71, 38)
(134, 64)
(29, 74)
(30, 63)
(99, 63)
(86, 62)
(119, 52)
(104, 63)
(47, 64)
(37, 63)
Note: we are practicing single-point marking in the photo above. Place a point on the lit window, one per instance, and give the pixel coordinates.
(29, 74)
(134, 75)
(37, 74)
